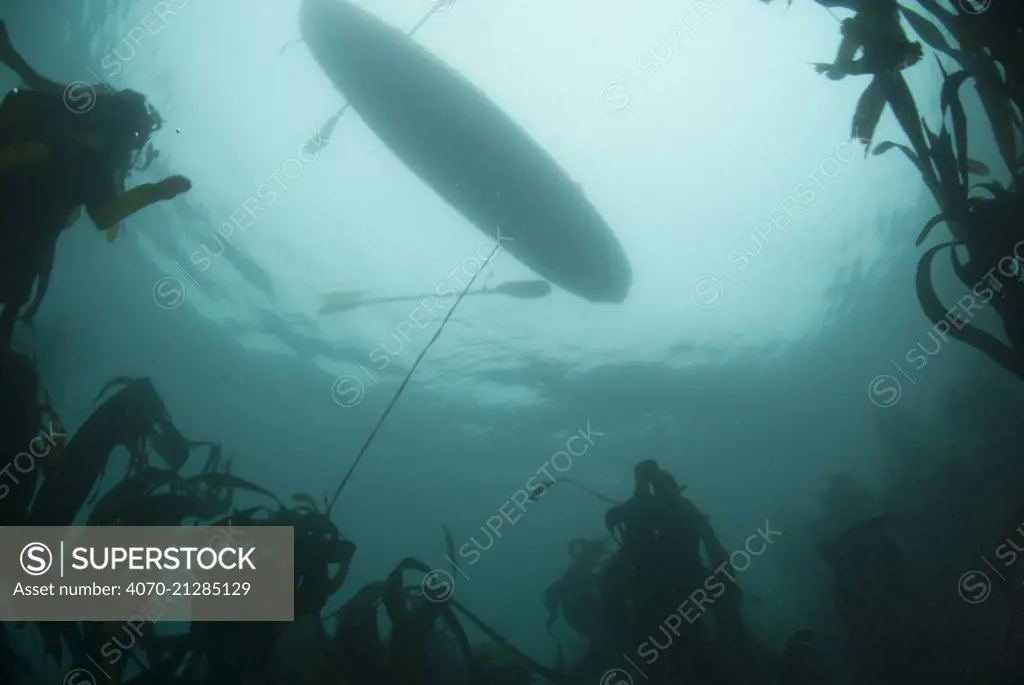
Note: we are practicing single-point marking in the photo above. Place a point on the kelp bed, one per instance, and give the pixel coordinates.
(387, 632)
(55, 491)
(986, 218)
(620, 595)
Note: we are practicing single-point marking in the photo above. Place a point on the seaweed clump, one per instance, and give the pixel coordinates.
(63, 487)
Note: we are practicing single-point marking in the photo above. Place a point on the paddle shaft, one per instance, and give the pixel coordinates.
(417, 298)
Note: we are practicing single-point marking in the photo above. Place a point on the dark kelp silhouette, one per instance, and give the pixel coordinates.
(989, 229)
(873, 578)
(986, 44)
(14, 668)
(661, 535)
(23, 419)
(413, 612)
(134, 418)
(577, 595)
(802, 662)
(875, 30)
(1011, 660)
(161, 497)
(623, 600)
(989, 46)
(396, 633)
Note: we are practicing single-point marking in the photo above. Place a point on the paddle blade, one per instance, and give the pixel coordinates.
(341, 301)
(525, 290)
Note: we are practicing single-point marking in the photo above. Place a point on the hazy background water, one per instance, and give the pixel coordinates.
(750, 384)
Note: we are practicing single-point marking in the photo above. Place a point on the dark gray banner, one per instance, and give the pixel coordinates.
(159, 573)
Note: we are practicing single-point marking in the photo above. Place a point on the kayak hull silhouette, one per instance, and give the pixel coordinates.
(467, 150)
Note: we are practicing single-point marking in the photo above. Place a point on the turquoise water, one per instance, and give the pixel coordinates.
(772, 264)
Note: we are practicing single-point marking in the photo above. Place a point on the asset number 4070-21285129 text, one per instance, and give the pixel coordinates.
(190, 589)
